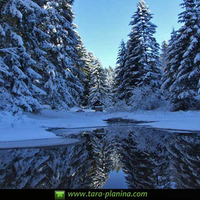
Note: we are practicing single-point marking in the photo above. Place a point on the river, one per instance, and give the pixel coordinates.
(115, 157)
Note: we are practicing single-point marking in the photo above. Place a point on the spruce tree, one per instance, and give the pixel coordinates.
(173, 58)
(142, 65)
(98, 88)
(81, 66)
(63, 55)
(184, 90)
(5, 96)
(89, 65)
(120, 71)
(164, 55)
(21, 22)
(40, 55)
(110, 85)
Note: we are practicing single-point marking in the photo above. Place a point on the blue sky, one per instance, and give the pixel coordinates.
(102, 24)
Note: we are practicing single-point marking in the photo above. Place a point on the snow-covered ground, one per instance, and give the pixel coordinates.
(28, 126)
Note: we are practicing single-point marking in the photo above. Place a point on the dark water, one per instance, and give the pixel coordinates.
(117, 157)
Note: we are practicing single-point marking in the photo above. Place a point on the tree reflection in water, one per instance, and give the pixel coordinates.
(149, 158)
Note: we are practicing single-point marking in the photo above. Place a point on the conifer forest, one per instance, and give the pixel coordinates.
(43, 61)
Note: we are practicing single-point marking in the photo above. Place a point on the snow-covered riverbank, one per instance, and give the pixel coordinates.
(28, 126)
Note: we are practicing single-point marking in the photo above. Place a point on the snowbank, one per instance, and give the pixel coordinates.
(188, 121)
(29, 126)
(162, 119)
(21, 127)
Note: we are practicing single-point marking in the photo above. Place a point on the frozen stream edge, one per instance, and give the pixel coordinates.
(31, 130)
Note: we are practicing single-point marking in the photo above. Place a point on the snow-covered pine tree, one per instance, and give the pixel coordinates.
(87, 70)
(173, 58)
(109, 78)
(184, 90)
(164, 55)
(98, 87)
(63, 56)
(21, 20)
(41, 52)
(81, 65)
(142, 66)
(5, 97)
(76, 53)
(119, 72)
(110, 85)
(35, 40)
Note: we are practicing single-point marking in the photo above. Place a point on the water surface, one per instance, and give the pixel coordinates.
(116, 157)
